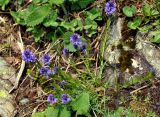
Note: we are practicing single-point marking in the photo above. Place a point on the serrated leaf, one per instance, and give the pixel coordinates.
(94, 14)
(38, 114)
(16, 16)
(65, 113)
(129, 11)
(82, 104)
(51, 20)
(90, 24)
(135, 23)
(51, 112)
(37, 15)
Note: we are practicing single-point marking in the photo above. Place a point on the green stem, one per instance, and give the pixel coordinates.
(64, 9)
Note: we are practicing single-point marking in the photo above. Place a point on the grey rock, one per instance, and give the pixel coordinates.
(6, 100)
(112, 53)
(128, 64)
(150, 51)
(6, 72)
(24, 101)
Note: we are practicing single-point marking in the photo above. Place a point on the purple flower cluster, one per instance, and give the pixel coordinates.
(46, 71)
(65, 99)
(62, 83)
(110, 7)
(28, 56)
(77, 43)
(46, 59)
(76, 40)
(65, 51)
(51, 99)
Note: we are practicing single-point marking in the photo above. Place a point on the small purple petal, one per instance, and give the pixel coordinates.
(65, 51)
(110, 7)
(28, 56)
(83, 47)
(62, 83)
(51, 99)
(56, 69)
(75, 40)
(65, 99)
(46, 71)
(46, 59)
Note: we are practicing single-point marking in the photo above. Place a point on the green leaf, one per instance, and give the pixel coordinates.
(90, 24)
(38, 114)
(84, 3)
(94, 14)
(82, 104)
(129, 11)
(66, 25)
(51, 20)
(80, 24)
(37, 15)
(65, 113)
(66, 37)
(37, 33)
(51, 112)
(154, 12)
(146, 10)
(144, 29)
(70, 47)
(3, 3)
(156, 37)
(16, 16)
(135, 23)
(56, 2)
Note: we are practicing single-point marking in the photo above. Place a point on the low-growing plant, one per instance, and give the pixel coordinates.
(48, 19)
(144, 21)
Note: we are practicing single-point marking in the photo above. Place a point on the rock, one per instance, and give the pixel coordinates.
(130, 56)
(112, 53)
(24, 101)
(6, 100)
(7, 72)
(150, 51)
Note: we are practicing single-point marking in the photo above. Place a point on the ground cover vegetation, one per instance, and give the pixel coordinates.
(70, 69)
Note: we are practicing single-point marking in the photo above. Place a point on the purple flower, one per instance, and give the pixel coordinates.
(46, 59)
(65, 99)
(28, 56)
(46, 71)
(83, 47)
(75, 40)
(56, 69)
(51, 99)
(65, 51)
(110, 7)
(62, 83)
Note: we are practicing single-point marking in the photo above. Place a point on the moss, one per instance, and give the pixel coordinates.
(125, 60)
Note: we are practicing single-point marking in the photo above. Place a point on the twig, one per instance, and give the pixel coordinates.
(21, 46)
(139, 89)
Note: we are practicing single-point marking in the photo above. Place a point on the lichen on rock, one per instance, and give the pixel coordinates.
(6, 100)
